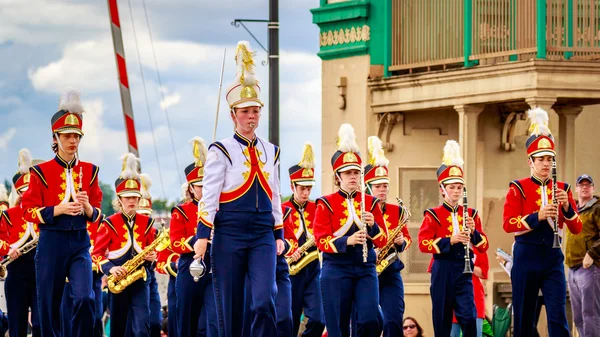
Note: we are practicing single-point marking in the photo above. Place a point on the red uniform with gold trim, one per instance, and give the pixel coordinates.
(117, 241)
(523, 202)
(15, 231)
(392, 215)
(184, 221)
(296, 227)
(57, 181)
(166, 260)
(291, 242)
(437, 228)
(336, 217)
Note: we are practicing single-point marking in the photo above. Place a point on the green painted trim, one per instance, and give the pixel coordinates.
(513, 30)
(323, 3)
(569, 54)
(340, 11)
(343, 52)
(468, 32)
(541, 29)
(387, 38)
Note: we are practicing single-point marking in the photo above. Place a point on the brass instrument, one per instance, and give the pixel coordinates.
(385, 255)
(134, 272)
(306, 258)
(26, 248)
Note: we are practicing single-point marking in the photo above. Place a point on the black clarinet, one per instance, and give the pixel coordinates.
(556, 243)
(467, 269)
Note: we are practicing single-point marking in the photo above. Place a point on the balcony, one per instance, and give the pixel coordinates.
(437, 35)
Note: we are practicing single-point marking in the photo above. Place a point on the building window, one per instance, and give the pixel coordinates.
(419, 190)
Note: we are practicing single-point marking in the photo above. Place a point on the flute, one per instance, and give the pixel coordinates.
(362, 213)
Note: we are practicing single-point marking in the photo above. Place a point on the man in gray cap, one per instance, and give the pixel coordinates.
(583, 259)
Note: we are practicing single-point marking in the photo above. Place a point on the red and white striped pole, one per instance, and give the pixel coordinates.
(117, 37)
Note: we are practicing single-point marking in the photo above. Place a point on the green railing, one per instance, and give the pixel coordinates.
(442, 33)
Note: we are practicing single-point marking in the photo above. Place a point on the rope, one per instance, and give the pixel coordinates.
(162, 183)
(162, 94)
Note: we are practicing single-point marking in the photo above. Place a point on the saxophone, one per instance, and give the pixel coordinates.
(385, 255)
(134, 272)
(306, 258)
(26, 248)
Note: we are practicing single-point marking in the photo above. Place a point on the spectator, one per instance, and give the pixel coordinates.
(582, 256)
(411, 327)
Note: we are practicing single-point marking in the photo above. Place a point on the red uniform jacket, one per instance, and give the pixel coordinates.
(120, 238)
(436, 230)
(336, 220)
(299, 214)
(14, 230)
(184, 222)
(166, 262)
(57, 181)
(392, 214)
(523, 202)
(290, 241)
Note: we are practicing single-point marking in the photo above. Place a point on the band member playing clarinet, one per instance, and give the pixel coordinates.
(535, 217)
(15, 235)
(121, 237)
(347, 225)
(391, 288)
(194, 296)
(62, 202)
(306, 289)
(241, 180)
(449, 236)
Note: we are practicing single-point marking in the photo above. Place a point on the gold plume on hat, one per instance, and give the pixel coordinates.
(25, 161)
(538, 122)
(244, 59)
(452, 154)
(199, 151)
(146, 184)
(376, 154)
(308, 157)
(131, 166)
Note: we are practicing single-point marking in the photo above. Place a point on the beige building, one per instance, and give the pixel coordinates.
(417, 73)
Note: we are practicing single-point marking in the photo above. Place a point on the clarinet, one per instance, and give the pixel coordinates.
(362, 214)
(467, 269)
(556, 243)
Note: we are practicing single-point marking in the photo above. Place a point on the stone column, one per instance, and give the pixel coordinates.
(468, 117)
(566, 147)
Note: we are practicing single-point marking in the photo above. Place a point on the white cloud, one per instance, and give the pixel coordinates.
(10, 101)
(170, 100)
(6, 137)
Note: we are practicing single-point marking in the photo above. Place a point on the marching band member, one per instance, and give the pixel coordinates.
(391, 287)
(347, 280)
(145, 208)
(306, 289)
(192, 297)
(241, 181)
(166, 264)
(63, 196)
(121, 236)
(530, 213)
(15, 233)
(66, 308)
(442, 235)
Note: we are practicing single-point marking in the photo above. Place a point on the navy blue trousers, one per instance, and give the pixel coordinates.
(244, 245)
(344, 285)
(155, 307)
(62, 254)
(306, 294)
(129, 310)
(66, 309)
(391, 301)
(283, 302)
(534, 268)
(20, 292)
(451, 290)
(172, 307)
(193, 298)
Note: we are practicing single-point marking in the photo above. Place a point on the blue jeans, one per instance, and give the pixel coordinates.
(455, 332)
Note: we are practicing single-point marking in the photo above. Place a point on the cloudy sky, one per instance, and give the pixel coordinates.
(48, 45)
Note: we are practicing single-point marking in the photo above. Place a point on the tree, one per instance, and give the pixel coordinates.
(8, 185)
(107, 197)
